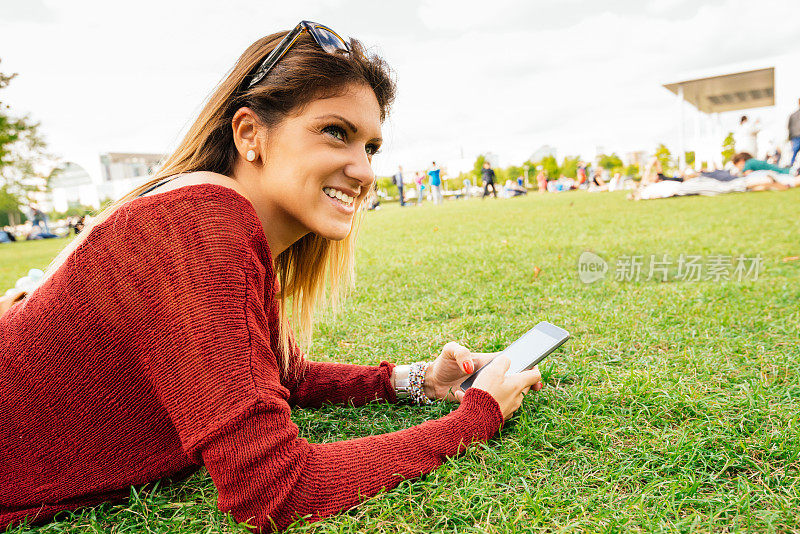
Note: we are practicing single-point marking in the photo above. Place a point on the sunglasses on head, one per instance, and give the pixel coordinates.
(326, 38)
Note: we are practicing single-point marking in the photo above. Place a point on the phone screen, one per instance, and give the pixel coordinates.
(529, 350)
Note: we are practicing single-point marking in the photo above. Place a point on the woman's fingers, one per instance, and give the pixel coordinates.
(526, 379)
(479, 359)
(462, 356)
(536, 376)
(499, 365)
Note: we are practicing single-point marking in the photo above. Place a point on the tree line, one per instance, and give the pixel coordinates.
(25, 163)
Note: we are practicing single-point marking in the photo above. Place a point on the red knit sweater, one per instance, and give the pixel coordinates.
(153, 350)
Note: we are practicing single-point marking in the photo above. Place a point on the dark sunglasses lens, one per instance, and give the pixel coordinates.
(329, 41)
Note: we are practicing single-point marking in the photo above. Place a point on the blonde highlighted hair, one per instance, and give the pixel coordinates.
(304, 74)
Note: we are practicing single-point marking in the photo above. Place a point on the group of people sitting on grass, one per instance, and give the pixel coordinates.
(591, 180)
(744, 173)
(31, 230)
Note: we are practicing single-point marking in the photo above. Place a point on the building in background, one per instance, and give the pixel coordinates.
(125, 171)
(72, 187)
(125, 165)
(542, 152)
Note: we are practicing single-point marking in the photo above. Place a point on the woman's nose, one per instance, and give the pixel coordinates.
(360, 168)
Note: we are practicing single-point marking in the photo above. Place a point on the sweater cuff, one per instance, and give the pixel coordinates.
(387, 368)
(483, 411)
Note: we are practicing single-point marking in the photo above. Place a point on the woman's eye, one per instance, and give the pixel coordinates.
(372, 150)
(335, 131)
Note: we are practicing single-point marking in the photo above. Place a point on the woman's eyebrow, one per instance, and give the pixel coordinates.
(347, 123)
(335, 116)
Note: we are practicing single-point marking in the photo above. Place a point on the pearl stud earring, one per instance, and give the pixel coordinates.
(251, 155)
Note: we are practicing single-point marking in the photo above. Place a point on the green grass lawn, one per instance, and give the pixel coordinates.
(673, 408)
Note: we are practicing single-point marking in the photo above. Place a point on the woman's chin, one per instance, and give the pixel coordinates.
(335, 232)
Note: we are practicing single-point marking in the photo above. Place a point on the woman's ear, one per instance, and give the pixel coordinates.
(246, 131)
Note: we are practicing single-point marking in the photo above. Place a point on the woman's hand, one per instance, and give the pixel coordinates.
(456, 363)
(508, 391)
(453, 366)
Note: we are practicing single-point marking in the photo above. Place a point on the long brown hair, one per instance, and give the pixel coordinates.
(304, 74)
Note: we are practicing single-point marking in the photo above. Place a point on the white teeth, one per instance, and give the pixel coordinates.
(335, 193)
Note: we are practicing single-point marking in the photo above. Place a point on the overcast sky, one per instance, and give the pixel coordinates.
(505, 76)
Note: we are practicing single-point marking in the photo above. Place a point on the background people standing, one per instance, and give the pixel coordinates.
(419, 179)
(794, 133)
(436, 183)
(398, 181)
(487, 174)
(746, 136)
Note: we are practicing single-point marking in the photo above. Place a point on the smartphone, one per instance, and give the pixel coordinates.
(530, 349)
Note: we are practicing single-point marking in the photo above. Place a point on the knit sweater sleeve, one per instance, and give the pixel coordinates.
(340, 383)
(269, 477)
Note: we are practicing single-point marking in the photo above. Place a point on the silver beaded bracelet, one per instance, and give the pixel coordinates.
(412, 387)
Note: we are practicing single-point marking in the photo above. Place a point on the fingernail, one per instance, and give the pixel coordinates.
(468, 368)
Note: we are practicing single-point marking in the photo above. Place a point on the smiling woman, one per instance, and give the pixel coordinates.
(159, 340)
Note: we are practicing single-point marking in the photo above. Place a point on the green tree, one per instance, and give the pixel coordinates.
(513, 172)
(476, 169)
(550, 166)
(386, 184)
(8, 204)
(664, 156)
(22, 151)
(728, 148)
(609, 161)
(570, 166)
(690, 158)
(632, 170)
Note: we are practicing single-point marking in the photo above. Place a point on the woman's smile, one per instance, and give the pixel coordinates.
(341, 199)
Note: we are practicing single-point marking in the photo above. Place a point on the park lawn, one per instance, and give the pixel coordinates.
(673, 408)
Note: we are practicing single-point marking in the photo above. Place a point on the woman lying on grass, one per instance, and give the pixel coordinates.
(160, 340)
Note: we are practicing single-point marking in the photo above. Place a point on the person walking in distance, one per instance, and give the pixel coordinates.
(398, 181)
(746, 136)
(794, 134)
(436, 183)
(487, 174)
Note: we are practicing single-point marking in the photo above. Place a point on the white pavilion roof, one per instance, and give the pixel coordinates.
(729, 92)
